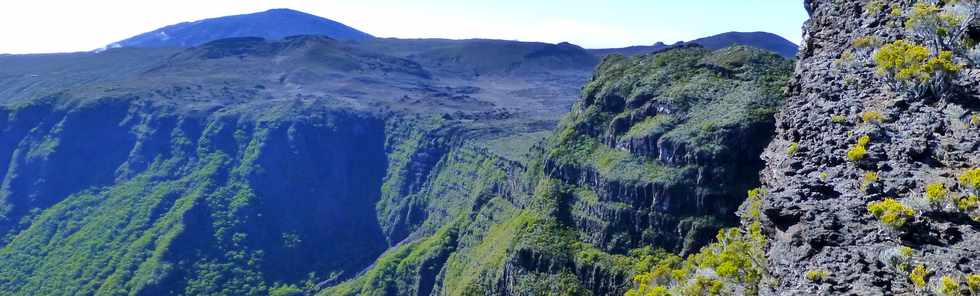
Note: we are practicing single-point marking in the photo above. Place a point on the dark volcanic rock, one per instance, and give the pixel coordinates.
(821, 222)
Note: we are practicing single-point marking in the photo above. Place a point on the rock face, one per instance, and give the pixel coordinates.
(817, 209)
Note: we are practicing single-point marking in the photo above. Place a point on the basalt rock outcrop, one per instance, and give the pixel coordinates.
(817, 210)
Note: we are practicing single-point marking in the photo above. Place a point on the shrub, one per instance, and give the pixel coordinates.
(968, 203)
(864, 42)
(737, 260)
(285, 290)
(872, 117)
(816, 275)
(838, 118)
(913, 67)
(869, 178)
(918, 276)
(949, 286)
(891, 212)
(793, 147)
(973, 283)
(824, 176)
(936, 193)
(874, 7)
(975, 120)
(943, 25)
(905, 251)
(971, 179)
(859, 150)
(864, 140)
(896, 10)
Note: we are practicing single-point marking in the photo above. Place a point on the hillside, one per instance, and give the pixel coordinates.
(272, 24)
(763, 40)
(648, 158)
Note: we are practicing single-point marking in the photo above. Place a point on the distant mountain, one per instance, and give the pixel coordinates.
(271, 24)
(763, 40)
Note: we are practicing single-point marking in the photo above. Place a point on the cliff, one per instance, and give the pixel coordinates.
(818, 211)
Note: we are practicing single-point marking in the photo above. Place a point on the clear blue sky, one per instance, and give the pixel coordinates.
(60, 26)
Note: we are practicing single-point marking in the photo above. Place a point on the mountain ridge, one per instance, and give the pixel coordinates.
(270, 24)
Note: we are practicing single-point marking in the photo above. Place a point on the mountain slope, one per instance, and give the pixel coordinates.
(656, 153)
(763, 40)
(271, 24)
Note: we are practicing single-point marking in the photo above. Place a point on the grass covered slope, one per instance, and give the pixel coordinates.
(230, 202)
(666, 144)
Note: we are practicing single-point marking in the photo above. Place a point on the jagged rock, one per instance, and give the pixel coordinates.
(824, 224)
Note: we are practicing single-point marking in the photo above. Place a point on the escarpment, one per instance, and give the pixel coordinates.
(589, 203)
(919, 149)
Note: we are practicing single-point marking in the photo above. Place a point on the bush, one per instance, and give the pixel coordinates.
(874, 7)
(734, 262)
(936, 193)
(838, 118)
(872, 117)
(891, 212)
(918, 276)
(968, 203)
(971, 179)
(913, 68)
(944, 26)
(975, 120)
(865, 42)
(793, 147)
(949, 286)
(973, 283)
(906, 251)
(869, 178)
(816, 275)
(859, 150)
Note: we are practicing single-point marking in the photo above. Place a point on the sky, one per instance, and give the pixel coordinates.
(45, 26)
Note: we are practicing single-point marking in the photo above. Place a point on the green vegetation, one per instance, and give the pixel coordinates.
(973, 283)
(736, 261)
(838, 118)
(968, 203)
(793, 147)
(816, 275)
(865, 42)
(874, 7)
(971, 179)
(927, 62)
(859, 150)
(891, 212)
(868, 179)
(872, 117)
(936, 194)
(912, 67)
(918, 276)
(949, 286)
(286, 290)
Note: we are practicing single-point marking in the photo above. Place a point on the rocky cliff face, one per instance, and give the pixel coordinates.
(657, 154)
(817, 210)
